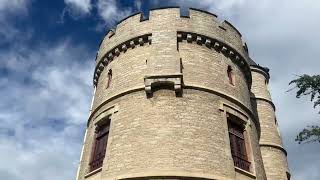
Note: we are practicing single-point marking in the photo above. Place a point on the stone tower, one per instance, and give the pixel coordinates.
(178, 97)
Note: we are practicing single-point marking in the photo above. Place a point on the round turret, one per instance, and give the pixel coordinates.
(273, 153)
(172, 100)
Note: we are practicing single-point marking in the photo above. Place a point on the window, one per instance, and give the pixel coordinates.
(109, 78)
(100, 145)
(230, 75)
(237, 144)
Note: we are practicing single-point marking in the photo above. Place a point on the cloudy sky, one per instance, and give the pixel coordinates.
(47, 51)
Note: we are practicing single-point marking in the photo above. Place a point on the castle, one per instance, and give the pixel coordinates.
(178, 97)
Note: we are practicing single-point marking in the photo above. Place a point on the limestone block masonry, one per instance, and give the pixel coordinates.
(170, 86)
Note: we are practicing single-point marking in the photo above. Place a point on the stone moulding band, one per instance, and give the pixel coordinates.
(194, 87)
(115, 51)
(266, 100)
(276, 146)
(219, 46)
(155, 174)
(125, 92)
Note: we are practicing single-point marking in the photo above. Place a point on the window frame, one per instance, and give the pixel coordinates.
(244, 120)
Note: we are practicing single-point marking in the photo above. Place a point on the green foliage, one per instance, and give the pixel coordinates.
(308, 85)
(309, 134)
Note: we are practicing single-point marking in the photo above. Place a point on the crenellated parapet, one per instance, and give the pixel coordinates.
(197, 21)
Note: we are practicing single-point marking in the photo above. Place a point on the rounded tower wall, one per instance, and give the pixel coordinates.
(166, 135)
(128, 71)
(207, 68)
(273, 153)
(275, 163)
(268, 124)
(160, 130)
(260, 81)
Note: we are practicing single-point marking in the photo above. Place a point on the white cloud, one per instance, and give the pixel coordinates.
(46, 94)
(110, 12)
(76, 9)
(44, 107)
(79, 6)
(138, 4)
(9, 11)
(13, 5)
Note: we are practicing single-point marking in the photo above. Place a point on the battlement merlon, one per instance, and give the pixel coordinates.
(198, 21)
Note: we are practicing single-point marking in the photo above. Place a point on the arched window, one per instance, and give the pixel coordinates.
(230, 75)
(109, 78)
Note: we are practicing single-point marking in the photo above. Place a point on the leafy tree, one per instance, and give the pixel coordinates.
(308, 85)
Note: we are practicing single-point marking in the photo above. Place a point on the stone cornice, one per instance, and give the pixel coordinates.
(276, 146)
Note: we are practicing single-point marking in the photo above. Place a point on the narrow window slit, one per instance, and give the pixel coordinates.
(230, 75)
(109, 78)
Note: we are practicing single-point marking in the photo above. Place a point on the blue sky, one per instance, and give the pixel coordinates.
(47, 52)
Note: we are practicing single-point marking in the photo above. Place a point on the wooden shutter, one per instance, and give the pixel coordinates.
(238, 145)
(100, 146)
